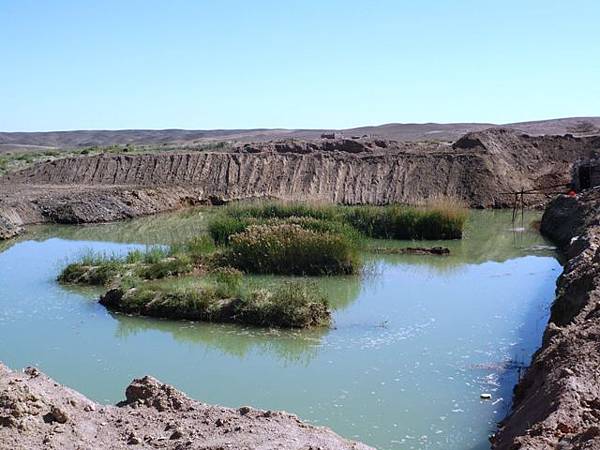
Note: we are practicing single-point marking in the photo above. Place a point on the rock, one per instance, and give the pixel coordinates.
(59, 415)
(177, 434)
(142, 389)
(133, 440)
(244, 410)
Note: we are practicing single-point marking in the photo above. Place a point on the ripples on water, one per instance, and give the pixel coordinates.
(415, 341)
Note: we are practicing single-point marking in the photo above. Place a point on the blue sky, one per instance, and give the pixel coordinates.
(203, 64)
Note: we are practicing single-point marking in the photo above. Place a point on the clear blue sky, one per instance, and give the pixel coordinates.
(201, 64)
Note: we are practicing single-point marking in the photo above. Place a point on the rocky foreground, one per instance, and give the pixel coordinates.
(481, 168)
(557, 403)
(38, 413)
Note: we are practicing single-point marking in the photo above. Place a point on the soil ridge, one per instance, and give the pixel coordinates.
(557, 402)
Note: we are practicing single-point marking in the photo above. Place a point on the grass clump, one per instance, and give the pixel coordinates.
(440, 218)
(282, 210)
(290, 305)
(222, 299)
(78, 273)
(167, 267)
(196, 248)
(221, 228)
(433, 222)
(150, 264)
(93, 269)
(289, 249)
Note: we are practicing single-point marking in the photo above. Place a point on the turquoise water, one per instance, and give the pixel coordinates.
(416, 339)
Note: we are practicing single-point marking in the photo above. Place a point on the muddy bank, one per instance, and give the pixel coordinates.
(557, 403)
(38, 413)
(478, 168)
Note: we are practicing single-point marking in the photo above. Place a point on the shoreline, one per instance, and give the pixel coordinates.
(38, 413)
(556, 403)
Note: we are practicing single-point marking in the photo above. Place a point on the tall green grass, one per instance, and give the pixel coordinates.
(282, 210)
(440, 218)
(151, 263)
(289, 249)
(433, 222)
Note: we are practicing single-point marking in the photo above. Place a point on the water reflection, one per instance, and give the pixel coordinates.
(293, 347)
(489, 236)
(163, 228)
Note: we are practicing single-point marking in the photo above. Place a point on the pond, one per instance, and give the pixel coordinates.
(416, 339)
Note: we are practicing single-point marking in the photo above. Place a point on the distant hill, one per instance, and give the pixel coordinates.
(397, 131)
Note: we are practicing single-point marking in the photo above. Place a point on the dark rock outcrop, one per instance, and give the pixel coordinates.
(38, 413)
(557, 403)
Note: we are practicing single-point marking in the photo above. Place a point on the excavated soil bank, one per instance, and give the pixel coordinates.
(557, 403)
(38, 413)
(479, 168)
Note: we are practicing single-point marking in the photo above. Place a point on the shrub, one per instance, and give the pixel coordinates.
(291, 305)
(221, 228)
(291, 249)
(440, 218)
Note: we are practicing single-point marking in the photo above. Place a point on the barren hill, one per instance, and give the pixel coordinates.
(396, 131)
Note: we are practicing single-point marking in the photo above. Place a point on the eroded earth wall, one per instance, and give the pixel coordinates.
(557, 403)
(481, 168)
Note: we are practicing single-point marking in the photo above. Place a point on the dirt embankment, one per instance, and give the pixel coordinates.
(38, 413)
(479, 168)
(557, 403)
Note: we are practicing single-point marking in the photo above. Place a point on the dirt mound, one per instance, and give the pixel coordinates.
(333, 145)
(38, 413)
(556, 404)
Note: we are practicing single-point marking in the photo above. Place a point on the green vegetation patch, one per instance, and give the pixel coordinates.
(150, 264)
(289, 249)
(439, 219)
(222, 227)
(406, 223)
(221, 299)
(283, 210)
(259, 238)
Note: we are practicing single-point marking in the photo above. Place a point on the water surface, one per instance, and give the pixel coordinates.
(416, 340)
